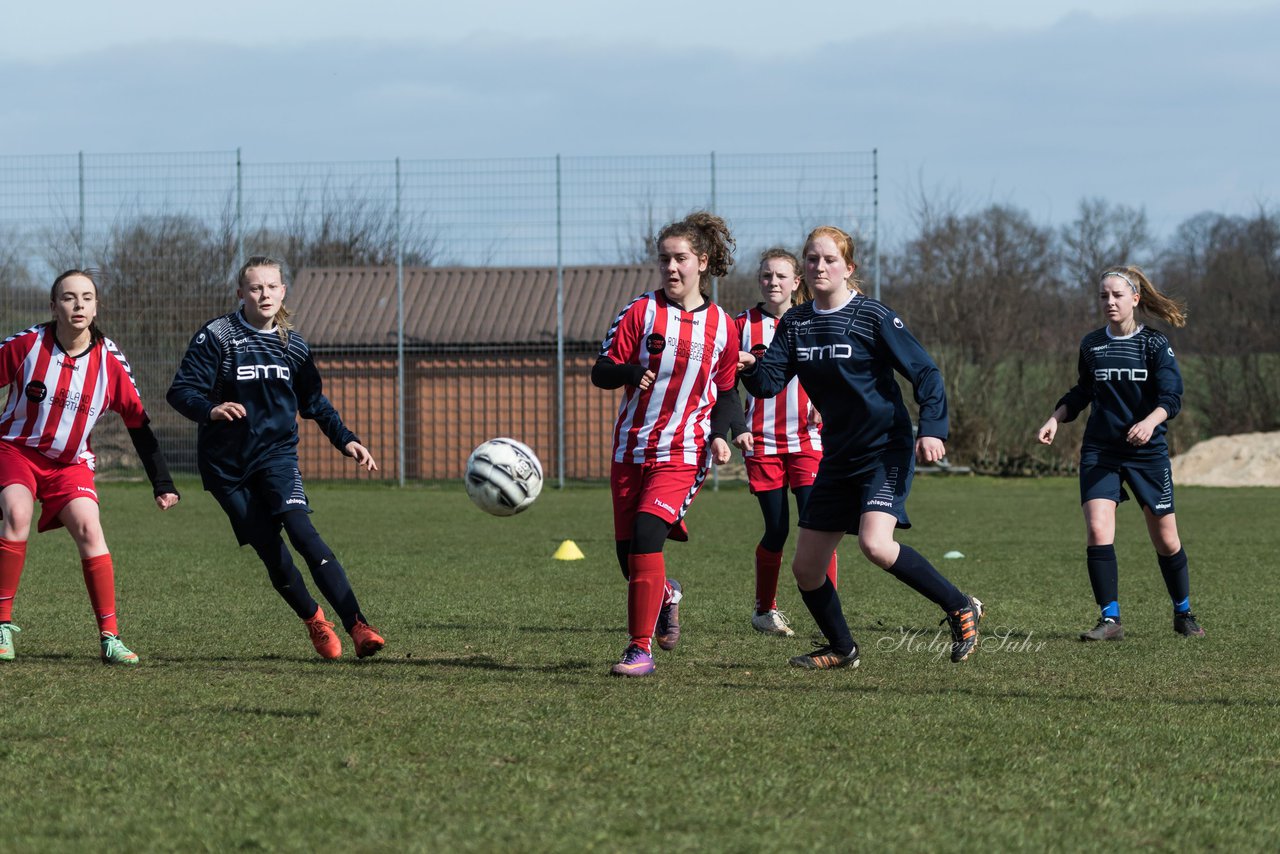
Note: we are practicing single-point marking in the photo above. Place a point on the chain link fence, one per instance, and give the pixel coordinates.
(449, 240)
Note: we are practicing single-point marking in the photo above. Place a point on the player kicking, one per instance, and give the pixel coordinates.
(845, 347)
(245, 379)
(62, 375)
(1129, 376)
(675, 353)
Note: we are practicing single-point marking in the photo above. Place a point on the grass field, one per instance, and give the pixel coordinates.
(489, 722)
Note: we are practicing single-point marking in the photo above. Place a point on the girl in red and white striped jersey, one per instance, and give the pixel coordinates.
(62, 375)
(780, 445)
(675, 353)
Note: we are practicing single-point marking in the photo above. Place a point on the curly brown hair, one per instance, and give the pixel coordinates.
(708, 235)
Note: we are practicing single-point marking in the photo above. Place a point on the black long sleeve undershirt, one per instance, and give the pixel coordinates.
(606, 373)
(153, 461)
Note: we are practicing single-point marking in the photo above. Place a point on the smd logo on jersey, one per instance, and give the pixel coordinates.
(245, 373)
(828, 351)
(654, 343)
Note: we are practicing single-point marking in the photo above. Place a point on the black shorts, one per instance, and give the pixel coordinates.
(838, 502)
(256, 505)
(1104, 475)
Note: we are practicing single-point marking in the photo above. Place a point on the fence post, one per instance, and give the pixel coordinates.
(715, 298)
(400, 437)
(875, 213)
(239, 211)
(80, 225)
(560, 407)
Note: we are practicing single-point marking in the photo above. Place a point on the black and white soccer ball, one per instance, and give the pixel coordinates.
(503, 476)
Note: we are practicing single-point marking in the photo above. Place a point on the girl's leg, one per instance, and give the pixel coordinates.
(326, 571)
(81, 519)
(875, 538)
(813, 554)
(1104, 573)
(833, 568)
(1172, 558)
(773, 506)
(17, 506)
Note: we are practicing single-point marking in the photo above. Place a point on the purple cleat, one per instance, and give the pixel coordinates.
(667, 631)
(635, 662)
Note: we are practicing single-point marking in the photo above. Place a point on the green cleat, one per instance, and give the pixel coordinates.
(6, 640)
(115, 652)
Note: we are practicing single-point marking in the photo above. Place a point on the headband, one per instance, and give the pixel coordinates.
(1120, 275)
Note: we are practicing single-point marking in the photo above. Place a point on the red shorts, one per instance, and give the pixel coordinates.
(781, 470)
(53, 483)
(664, 490)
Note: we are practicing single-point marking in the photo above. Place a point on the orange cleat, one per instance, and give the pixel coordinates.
(323, 637)
(367, 639)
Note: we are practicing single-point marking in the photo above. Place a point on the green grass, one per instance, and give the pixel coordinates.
(489, 722)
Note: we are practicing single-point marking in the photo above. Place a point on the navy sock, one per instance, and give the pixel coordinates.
(917, 573)
(1104, 578)
(1176, 580)
(824, 604)
(326, 571)
(285, 577)
(332, 580)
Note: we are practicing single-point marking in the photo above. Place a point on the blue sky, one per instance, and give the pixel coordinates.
(1170, 106)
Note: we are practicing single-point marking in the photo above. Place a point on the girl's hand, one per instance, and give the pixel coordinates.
(1047, 431)
(646, 381)
(228, 411)
(167, 500)
(930, 449)
(720, 452)
(1140, 433)
(362, 455)
(745, 360)
(744, 441)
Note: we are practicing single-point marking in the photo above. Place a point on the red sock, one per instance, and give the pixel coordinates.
(100, 579)
(767, 566)
(13, 554)
(833, 569)
(644, 596)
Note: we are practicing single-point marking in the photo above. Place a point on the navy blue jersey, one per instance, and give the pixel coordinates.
(275, 381)
(1125, 379)
(846, 360)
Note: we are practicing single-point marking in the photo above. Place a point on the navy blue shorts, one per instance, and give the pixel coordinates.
(838, 502)
(1105, 476)
(255, 506)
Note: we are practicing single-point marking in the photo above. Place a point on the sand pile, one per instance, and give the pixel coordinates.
(1248, 459)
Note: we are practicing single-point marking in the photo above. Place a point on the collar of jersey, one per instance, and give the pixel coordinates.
(250, 327)
(851, 298)
(1107, 329)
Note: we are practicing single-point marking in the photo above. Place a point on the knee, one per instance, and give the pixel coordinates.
(879, 550)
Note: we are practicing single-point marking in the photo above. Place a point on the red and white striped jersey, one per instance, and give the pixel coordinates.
(779, 425)
(55, 399)
(693, 355)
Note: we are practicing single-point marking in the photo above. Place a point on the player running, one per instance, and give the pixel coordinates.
(62, 375)
(675, 353)
(845, 347)
(780, 444)
(1129, 376)
(245, 379)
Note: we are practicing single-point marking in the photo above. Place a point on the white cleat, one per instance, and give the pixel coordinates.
(772, 623)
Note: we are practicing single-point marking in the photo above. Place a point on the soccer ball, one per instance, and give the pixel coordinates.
(503, 476)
